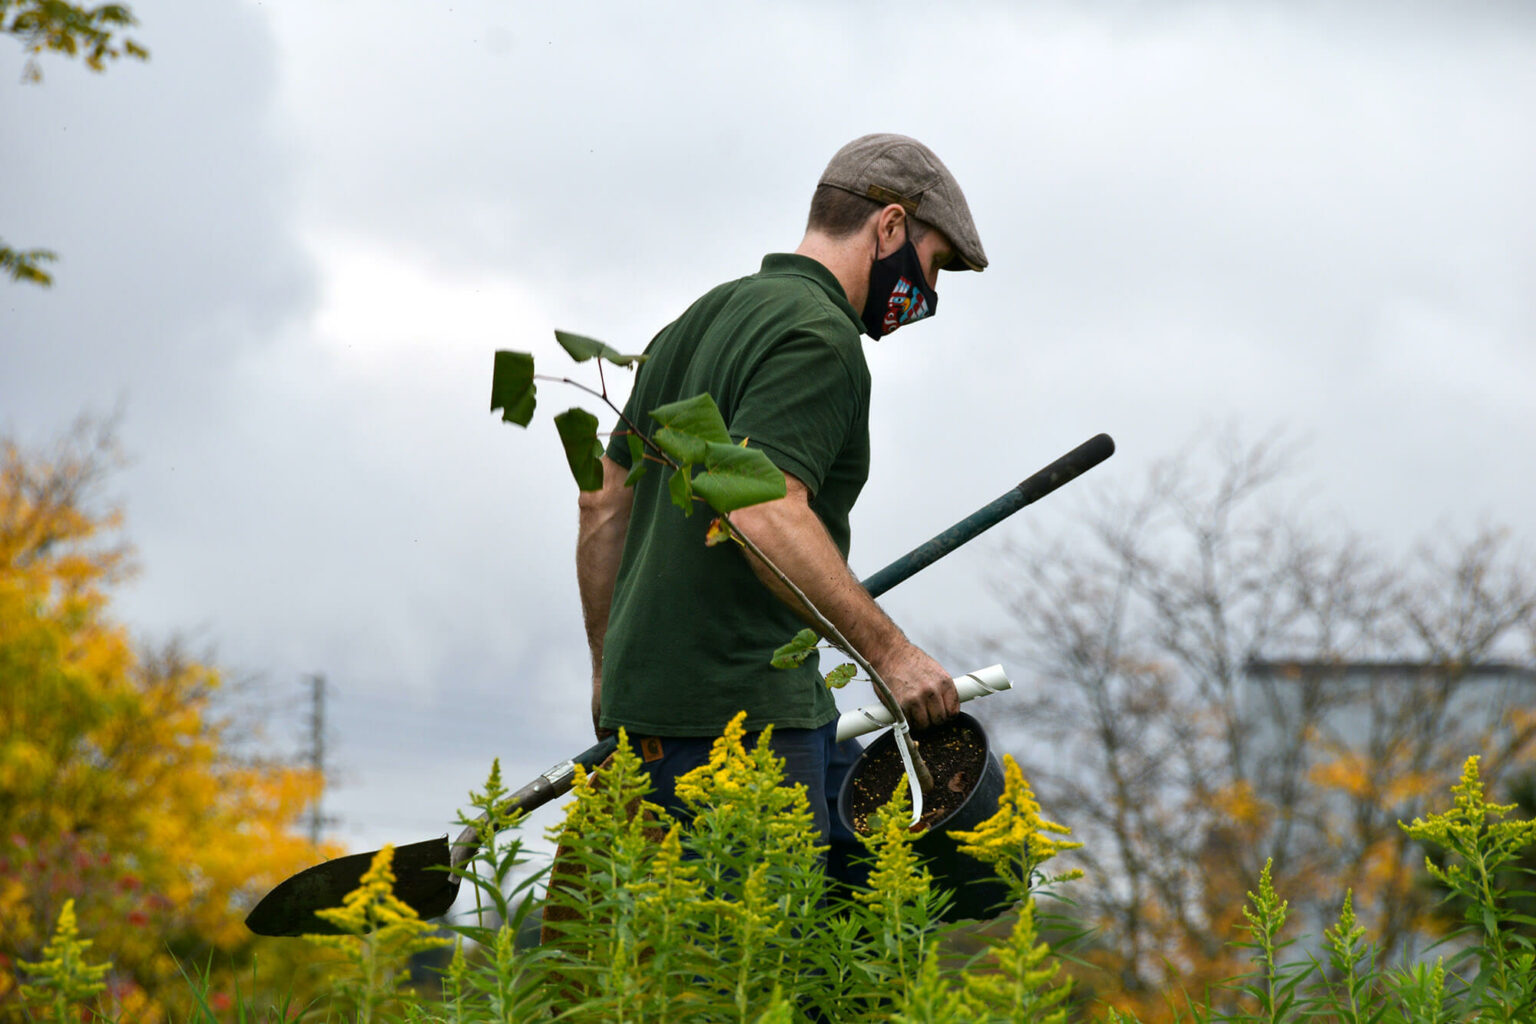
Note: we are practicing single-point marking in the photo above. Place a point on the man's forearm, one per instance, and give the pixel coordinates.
(604, 520)
(795, 540)
(791, 535)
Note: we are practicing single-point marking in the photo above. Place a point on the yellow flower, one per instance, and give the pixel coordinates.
(1469, 830)
(1016, 840)
(65, 977)
(374, 909)
(727, 757)
(897, 878)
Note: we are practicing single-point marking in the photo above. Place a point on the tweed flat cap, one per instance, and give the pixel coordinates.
(897, 169)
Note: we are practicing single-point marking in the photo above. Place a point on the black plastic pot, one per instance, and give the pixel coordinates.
(978, 892)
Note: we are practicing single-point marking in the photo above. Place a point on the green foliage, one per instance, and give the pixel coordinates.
(801, 647)
(736, 476)
(689, 427)
(636, 460)
(728, 918)
(681, 489)
(583, 451)
(692, 434)
(1352, 966)
(840, 676)
(379, 935)
(1480, 844)
(1274, 985)
(797, 650)
(26, 266)
(512, 388)
(582, 348)
(74, 30)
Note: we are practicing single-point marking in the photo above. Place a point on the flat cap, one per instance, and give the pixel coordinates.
(896, 169)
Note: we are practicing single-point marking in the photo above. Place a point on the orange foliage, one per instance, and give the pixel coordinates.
(113, 787)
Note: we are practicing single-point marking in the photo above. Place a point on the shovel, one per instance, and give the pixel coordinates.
(424, 879)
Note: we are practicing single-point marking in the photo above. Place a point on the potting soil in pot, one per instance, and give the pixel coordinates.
(955, 757)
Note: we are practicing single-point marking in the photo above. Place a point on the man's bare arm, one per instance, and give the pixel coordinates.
(604, 520)
(793, 537)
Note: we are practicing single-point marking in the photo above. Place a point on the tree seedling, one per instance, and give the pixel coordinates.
(706, 466)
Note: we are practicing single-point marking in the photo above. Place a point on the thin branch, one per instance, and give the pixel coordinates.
(832, 633)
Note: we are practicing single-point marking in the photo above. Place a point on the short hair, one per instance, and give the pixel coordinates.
(839, 213)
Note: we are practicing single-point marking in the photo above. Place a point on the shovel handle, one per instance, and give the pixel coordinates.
(1070, 466)
(555, 782)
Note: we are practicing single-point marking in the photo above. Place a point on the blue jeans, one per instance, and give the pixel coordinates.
(812, 757)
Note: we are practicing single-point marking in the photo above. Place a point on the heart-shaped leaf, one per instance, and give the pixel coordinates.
(838, 677)
(688, 427)
(512, 387)
(735, 477)
(582, 348)
(578, 434)
(797, 650)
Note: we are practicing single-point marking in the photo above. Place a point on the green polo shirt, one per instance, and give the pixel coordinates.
(692, 629)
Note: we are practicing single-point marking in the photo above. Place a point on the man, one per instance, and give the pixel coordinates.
(681, 634)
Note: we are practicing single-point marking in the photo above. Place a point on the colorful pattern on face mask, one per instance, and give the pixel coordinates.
(907, 305)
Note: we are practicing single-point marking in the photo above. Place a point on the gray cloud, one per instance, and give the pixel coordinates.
(295, 258)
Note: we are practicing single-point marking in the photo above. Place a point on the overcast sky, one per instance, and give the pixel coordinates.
(292, 240)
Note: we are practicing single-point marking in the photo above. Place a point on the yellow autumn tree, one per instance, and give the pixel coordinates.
(115, 791)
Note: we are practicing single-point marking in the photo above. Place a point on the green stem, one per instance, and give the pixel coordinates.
(1495, 941)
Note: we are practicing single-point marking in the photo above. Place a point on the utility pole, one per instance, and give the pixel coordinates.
(317, 753)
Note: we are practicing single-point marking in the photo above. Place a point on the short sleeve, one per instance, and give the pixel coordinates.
(799, 405)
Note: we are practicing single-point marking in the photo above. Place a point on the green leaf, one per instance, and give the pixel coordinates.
(792, 654)
(688, 427)
(838, 677)
(637, 465)
(582, 348)
(682, 491)
(512, 387)
(735, 477)
(578, 433)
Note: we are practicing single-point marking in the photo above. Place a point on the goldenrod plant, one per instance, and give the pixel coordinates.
(63, 979)
(659, 933)
(1480, 844)
(380, 934)
(1017, 841)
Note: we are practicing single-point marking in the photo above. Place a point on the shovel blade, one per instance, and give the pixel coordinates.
(422, 883)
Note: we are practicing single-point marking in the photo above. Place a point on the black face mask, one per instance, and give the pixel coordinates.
(898, 292)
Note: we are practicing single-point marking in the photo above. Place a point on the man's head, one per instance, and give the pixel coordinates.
(874, 171)
(886, 217)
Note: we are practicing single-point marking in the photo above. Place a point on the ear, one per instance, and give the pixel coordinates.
(890, 229)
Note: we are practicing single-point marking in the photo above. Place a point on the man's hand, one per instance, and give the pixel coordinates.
(923, 688)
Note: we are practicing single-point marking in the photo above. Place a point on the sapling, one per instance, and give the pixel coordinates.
(693, 434)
